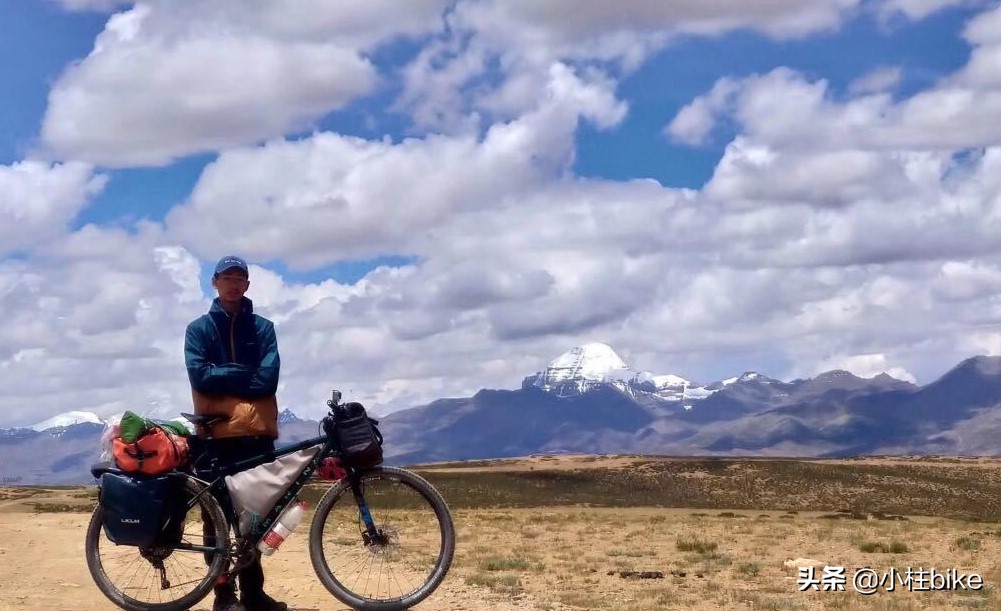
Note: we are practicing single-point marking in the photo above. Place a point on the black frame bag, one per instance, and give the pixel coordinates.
(358, 436)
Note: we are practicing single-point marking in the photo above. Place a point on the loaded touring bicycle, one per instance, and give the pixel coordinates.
(381, 538)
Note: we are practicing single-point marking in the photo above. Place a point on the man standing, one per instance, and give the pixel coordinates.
(231, 355)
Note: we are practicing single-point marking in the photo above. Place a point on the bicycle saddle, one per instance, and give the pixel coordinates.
(200, 420)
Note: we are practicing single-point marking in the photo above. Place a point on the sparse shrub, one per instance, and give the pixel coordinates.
(61, 508)
(714, 561)
(497, 517)
(505, 584)
(582, 600)
(878, 547)
(665, 598)
(498, 563)
(968, 542)
(629, 553)
(696, 545)
(750, 569)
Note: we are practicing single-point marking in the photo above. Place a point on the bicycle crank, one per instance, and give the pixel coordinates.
(240, 558)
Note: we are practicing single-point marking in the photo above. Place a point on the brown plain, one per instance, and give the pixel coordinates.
(734, 540)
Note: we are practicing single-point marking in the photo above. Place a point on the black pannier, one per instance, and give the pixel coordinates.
(358, 436)
(143, 510)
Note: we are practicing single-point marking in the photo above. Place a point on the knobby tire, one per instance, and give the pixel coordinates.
(444, 559)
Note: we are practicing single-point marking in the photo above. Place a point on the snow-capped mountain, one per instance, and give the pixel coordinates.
(574, 406)
(589, 400)
(587, 367)
(288, 417)
(580, 369)
(749, 376)
(67, 419)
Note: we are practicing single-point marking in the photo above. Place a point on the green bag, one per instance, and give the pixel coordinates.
(177, 428)
(133, 426)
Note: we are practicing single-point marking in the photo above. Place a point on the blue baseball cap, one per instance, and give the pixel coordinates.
(230, 262)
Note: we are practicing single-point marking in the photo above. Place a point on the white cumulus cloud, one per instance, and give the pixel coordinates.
(165, 80)
(38, 200)
(840, 229)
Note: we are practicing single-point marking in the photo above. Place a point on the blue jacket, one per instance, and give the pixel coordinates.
(233, 366)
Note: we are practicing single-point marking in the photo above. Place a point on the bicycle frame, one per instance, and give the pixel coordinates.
(251, 539)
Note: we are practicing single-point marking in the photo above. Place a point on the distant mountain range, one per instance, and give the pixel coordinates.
(588, 400)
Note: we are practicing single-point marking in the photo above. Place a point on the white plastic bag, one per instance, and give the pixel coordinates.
(111, 430)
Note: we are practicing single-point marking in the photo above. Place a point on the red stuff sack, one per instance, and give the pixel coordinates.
(154, 452)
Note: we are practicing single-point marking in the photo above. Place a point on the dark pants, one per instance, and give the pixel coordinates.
(229, 451)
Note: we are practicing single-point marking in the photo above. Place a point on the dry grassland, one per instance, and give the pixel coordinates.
(719, 560)
(623, 533)
(725, 533)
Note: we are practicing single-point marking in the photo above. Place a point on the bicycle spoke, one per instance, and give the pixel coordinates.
(401, 558)
(162, 576)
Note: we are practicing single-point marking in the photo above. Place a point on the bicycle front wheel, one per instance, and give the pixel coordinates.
(406, 560)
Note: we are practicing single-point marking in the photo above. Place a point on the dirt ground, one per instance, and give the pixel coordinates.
(577, 558)
(573, 559)
(43, 567)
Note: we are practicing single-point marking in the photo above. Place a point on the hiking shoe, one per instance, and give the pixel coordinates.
(227, 602)
(263, 602)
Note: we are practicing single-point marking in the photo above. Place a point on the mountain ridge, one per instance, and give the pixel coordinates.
(833, 414)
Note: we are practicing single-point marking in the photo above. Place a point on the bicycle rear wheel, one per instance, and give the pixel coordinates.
(163, 578)
(406, 561)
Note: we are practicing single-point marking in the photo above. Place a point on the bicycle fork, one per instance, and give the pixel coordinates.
(370, 535)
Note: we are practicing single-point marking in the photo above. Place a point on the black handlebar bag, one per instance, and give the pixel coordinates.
(358, 436)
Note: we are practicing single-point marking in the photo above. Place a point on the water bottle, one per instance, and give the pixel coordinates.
(284, 526)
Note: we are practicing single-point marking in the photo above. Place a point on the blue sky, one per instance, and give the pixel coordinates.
(702, 187)
(46, 38)
(669, 81)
